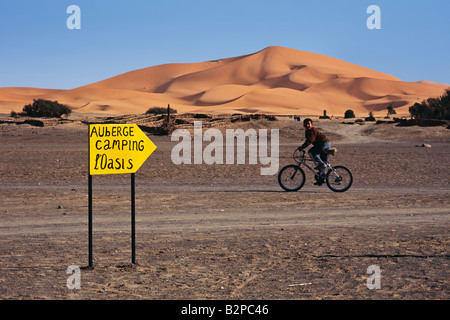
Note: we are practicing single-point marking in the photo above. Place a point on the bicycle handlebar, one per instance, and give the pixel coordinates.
(298, 154)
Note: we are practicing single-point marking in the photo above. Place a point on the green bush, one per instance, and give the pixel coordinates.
(391, 110)
(349, 114)
(45, 108)
(160, 110)
(432, 108)
(370, 117)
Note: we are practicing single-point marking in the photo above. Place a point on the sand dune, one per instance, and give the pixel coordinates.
(14, 98)
(275, 80)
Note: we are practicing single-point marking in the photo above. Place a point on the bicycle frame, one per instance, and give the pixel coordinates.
(303, 160)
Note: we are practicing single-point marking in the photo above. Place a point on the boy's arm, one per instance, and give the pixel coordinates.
(310, 137)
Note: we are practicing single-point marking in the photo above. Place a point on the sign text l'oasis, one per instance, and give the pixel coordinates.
(117, 148)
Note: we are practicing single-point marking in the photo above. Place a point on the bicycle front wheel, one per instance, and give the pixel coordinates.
(339, 179)
(291, 178)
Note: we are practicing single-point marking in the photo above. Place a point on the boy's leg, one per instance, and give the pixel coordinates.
(324, 156)
(314, 153)
(319, 157)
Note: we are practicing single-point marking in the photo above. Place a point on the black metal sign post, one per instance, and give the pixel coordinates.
(91, 260)
(133, 221)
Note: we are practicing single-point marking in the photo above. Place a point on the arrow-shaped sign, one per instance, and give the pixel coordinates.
(117, 148)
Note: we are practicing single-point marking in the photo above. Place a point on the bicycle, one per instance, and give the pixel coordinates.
(292, 177)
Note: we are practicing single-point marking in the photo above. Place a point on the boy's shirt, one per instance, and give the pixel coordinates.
(314, 136)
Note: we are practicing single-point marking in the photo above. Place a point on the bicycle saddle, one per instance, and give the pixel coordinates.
(331, 151)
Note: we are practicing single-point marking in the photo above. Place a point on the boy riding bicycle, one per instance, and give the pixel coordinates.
(320, 144)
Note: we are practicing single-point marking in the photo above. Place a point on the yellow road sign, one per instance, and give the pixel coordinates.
(117, 148)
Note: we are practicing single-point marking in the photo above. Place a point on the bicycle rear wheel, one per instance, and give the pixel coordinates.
(339, 179)
(291, 178)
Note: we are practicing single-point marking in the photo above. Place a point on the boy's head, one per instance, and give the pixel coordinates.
(307, 123)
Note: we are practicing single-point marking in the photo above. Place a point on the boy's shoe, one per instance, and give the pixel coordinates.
(319, 181)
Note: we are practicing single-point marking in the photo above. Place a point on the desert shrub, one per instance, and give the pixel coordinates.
(432, 108)
(370, 117)
(349, 114)
(419, 111)
(45, 108)
(201, 116)
(391, 110)
(160, 110)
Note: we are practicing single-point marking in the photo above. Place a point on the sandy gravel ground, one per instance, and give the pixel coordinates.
(224, 231)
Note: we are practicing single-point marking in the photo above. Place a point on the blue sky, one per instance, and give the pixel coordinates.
(116, 36)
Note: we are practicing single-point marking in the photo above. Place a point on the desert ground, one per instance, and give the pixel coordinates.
(226, 232)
